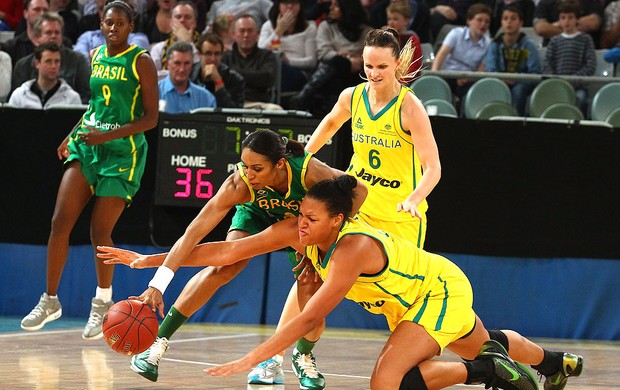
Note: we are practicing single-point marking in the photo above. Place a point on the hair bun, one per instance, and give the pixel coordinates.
(346, 184)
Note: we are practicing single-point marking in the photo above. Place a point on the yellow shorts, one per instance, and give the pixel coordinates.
(446, 311)
(413, 230)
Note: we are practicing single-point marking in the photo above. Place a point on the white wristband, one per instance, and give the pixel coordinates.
(162, 278)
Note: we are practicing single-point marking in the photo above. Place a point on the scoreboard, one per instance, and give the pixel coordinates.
(197, 152)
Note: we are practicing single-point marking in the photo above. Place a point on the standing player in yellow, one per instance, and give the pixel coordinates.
(106, 155)
(394, 151)
(426, 299)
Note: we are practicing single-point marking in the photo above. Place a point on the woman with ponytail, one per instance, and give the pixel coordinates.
(271, 180)
(394, 150)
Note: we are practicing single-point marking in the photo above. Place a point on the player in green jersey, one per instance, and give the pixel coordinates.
(426, 299)
(105, 156)
(273, 177)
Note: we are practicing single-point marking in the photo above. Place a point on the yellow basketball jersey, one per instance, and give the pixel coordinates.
(384, 158)
(410, 277)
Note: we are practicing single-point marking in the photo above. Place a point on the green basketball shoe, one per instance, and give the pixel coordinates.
(147, 362)
(304, 367)
(507, 374)
(572, 365)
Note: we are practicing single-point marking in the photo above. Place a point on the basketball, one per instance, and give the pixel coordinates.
(130, 327)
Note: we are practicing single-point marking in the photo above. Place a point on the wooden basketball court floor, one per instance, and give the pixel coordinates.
(58, 358)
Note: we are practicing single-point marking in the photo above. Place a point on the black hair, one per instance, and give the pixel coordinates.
(300, 22)
(27, 3)
(336, 194)
(272, 145)
(122, 5)
(47, 46)
(515, 9)
(569, 7)
(353, 19)
(210, 37)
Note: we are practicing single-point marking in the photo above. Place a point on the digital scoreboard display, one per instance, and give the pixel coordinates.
(197, 152)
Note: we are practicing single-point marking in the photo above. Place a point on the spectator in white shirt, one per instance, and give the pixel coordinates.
(48, 88)
(5, 75)
(294, 37)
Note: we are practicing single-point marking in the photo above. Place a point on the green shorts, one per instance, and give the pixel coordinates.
(114, 168)
(253, 220)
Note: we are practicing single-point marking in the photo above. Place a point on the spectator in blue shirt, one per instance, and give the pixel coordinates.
(177, 94)
(465, 48)
(90, 40)
(513, 52)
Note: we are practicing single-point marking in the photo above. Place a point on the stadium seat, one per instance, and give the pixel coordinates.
(549, 92)
(562, 111)
(603, 68)
(605, 101)
(614, 118)
(440, 107)
(492, 109)
(537, 39)
(432, 87)
(484, 91)
(428, 56)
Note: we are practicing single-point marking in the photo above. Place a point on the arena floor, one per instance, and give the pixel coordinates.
(58, 358)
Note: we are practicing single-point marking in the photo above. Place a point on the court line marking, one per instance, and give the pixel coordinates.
(286, 371)
(177, 341)
(31, 334)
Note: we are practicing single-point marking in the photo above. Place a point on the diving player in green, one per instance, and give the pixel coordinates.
(426, 298)
(106, 154)
(273, 177)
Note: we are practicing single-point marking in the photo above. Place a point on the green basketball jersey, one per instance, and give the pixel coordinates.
(274, 204)
(384, 158)
(116, 96)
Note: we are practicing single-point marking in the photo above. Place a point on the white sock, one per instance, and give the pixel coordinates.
(278, 358)
(53, 296)
(105, 294)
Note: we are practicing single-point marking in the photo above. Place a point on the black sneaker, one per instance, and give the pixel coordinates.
(572, 365)
(507, 374)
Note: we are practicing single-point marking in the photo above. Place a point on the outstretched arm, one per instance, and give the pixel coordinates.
(233, 191)
(344, 270)
(279, 235)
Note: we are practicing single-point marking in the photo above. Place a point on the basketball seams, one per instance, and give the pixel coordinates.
(130, 327)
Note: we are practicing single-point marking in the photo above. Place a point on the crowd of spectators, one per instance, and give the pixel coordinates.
(238, 45)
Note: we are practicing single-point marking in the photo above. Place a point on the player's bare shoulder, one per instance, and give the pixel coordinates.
(234, 189)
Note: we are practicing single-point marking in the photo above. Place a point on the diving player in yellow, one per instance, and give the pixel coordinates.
(273, 177)
(394, 151)
(106, 155)
(426, 299)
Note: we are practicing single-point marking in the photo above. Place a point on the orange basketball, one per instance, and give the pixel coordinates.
(130, 327)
